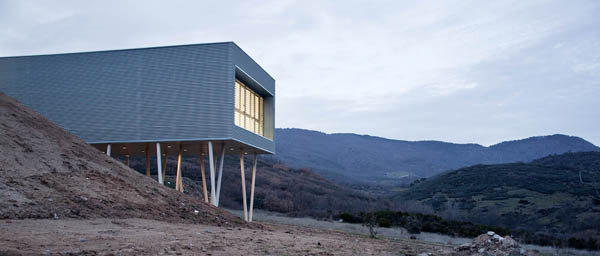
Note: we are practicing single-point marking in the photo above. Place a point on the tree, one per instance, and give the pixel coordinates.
(370, 221)
(592, 180)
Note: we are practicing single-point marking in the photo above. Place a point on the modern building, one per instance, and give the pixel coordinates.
(202, 100)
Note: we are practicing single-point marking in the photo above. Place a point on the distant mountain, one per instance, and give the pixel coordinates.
(353, 158)
(558, 194)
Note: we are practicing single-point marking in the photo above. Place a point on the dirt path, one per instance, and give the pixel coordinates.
(151, 237)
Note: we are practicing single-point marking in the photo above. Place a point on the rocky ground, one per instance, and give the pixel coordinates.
(151, 237)
(494, 244)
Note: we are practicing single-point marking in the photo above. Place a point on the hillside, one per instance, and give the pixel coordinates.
(352, 158)
(555, 195)
(46, 172)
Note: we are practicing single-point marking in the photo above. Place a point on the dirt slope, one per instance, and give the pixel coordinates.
(46, 172)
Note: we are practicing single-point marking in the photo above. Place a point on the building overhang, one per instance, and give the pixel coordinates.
(192, 147)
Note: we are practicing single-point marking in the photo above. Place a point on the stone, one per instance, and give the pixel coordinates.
(463, 247)
(491, 233)
(481, 241)
(515, 252)
(508, 242)
(481, 250)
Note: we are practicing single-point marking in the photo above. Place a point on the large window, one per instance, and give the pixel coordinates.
(248, 109)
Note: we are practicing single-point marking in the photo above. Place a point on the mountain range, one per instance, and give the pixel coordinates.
(355, 159)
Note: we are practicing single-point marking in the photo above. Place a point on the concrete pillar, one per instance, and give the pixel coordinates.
(243, 184)
(220, 173)
(211, 160)
(252, 189)
(147, 151)
(158, 163)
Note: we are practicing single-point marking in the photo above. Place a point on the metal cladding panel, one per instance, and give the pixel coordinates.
(250, 67)
(165, 93)
(250, 138)
(261, 82)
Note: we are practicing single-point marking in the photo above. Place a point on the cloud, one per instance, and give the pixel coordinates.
(463, 71)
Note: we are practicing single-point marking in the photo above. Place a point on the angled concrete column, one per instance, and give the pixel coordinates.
(220, 173)
(212, 173)
(108, 149)
(243, 184)
(147, 151)
(178, 180)
(165, 163)
(252, 189)
(159, 164)
(204, 191)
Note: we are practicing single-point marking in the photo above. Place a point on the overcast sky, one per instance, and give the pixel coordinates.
(458, 71)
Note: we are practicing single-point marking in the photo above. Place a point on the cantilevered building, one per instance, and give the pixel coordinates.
(202, 100)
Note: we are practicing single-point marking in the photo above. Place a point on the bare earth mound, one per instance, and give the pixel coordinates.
(46, 172)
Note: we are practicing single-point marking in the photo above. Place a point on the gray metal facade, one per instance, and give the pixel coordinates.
(173, 93)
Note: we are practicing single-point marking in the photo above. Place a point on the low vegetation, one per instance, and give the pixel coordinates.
(555, 197)
(416, 223)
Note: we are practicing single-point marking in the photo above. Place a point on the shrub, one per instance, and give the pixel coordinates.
(384, 223)
(347, 217)
(577, 243)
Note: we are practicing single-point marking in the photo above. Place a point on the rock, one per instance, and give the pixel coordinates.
(424, 254)
(491, 243)
(497, 237)
(508, 242)
(463, 247)
(481, 241)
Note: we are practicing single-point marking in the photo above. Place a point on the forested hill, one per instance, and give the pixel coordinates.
(356, 158)
(556, 194)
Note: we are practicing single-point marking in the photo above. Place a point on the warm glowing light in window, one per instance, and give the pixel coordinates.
(248, 109)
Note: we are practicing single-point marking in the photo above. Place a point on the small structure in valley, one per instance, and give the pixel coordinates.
(202, 100)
